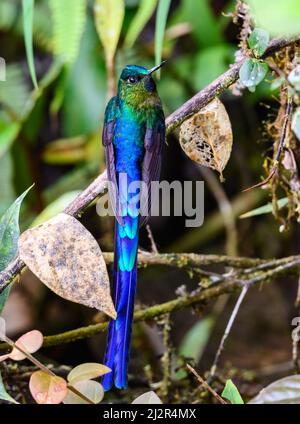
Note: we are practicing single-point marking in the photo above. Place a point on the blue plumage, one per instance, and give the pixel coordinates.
(133, 137)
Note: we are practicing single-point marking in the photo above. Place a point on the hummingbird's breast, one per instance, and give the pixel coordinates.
(128, 143)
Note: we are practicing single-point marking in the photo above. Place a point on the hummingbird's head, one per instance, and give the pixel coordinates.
(136, 83)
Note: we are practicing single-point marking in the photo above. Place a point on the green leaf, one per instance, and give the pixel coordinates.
(69, 18)
(231, 393)
(279, 18)
(160, 26)
(268, 208)
(196, 339)
(9, 235)
(8, 133)
(109, 15)
(143, 14)
(10, 231)
(3, 393)
(286, 391)
(258, 41)
(252, 72)
(296, 123)
(28, 6)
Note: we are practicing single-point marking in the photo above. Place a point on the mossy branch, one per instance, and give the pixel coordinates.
(253, 271)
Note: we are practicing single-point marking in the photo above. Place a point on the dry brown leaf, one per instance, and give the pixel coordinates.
(67, 258)
(206, 137)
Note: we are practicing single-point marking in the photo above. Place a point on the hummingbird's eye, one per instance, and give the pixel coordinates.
(132, 80)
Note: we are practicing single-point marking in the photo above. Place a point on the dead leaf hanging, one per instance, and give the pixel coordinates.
(206, 137)
(67, 259)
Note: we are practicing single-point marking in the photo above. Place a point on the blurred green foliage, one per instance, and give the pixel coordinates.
(278, 18)
(59, 123)
(231, 393)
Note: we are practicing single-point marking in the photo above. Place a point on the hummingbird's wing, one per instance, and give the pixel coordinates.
(154, 145)
(107, 140)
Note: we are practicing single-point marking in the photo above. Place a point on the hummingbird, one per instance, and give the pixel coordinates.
(133, 138)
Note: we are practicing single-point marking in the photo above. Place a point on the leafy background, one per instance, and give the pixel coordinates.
(50, 136)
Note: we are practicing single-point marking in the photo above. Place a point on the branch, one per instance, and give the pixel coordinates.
(227, 284)
(218, 86)
(195, 260)
(201, 99)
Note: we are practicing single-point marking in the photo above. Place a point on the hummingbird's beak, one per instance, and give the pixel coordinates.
(155, 68)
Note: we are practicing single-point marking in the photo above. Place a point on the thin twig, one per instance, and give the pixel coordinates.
(206, 385)
(152, 241)
(227, 331)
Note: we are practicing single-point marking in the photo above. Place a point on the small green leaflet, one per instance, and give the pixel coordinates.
(10, 231)
(258, 41)
(268, 208)
(231, 393)
(9, 235)
(252, 73)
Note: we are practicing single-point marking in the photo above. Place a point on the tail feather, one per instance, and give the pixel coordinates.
(119, 331)
(124, 327)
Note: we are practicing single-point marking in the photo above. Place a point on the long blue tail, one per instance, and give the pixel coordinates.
(125, 277)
